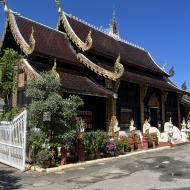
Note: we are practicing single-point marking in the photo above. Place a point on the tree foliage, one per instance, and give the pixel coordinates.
(62, 128)
(8, 60)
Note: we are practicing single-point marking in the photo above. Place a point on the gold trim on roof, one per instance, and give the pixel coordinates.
(3, 36)
(115, 75)
(27, 48)
(84, 46)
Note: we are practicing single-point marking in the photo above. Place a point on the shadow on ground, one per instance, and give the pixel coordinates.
(8, 181)
(169, 168)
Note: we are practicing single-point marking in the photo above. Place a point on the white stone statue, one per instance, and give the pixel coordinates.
(188, 124)
(132, 127)
(171, 133)
(146, 126)
(184, 131)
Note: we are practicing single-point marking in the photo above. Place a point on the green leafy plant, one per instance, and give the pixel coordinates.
(119, 143)
(10, 113)
(150, 143)
(9, 62)
(156, 138)
(44, 157)
(54, 115)
(126, 143)
(94, 141)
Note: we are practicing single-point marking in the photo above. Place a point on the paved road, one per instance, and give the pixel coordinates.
(166, 169)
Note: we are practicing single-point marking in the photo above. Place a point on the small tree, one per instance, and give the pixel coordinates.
(8, 61)
(55, 116)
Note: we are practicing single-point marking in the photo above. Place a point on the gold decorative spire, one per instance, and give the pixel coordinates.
(84, 46)
(113, 26)
(6, 8)
(27, 48)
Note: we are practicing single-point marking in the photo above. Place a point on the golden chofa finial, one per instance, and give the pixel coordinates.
(114, 29)
(59, 6)
(6, 8)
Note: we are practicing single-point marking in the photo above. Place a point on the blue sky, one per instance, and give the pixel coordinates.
(160, 26)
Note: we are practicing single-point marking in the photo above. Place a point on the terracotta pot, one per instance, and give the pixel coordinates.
(91, 156)
(139, 142)
(145, 141)
(153, 139)
(80, 150)
(98, 155)
(63, 156)
(122, 150)
(131, 141)
(46, 164)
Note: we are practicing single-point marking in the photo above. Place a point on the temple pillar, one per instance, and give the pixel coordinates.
(179, 96)
(14, 91)
(112, 120)
(163, 101)
(143, 91)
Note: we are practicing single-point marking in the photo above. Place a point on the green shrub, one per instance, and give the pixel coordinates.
(150, 143)
(125, 141)
(10, 113)
(94, 141)
(157, 139)
(54, 115)
(44, 157)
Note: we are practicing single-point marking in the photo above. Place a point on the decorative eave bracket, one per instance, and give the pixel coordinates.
(84, 46)
(27, 48)
(114, 76)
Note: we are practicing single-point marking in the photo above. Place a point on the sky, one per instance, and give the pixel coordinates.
(162, 27)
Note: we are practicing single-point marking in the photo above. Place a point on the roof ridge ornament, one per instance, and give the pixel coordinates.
(184, 86)
(27, 48)
(114, 25)
(84, 46)
(172, 71)
(113, 75)
(6, 8)
(54, 70)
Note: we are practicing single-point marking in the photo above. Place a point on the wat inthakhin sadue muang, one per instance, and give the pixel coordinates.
(118, 81)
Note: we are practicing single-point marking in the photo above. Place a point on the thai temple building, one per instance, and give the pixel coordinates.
(117, 80)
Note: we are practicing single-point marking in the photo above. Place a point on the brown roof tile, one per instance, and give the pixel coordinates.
(49, 42)
(74, 82)
(104, 44)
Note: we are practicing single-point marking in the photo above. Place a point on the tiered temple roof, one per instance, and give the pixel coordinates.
(52, 43)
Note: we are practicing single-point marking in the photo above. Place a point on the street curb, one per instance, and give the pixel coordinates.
(85, 163)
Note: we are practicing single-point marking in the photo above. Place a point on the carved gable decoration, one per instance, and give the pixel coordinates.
(153, 102)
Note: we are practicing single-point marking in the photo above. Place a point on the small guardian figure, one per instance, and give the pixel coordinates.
(184, 131)
(146, 126)
(132, 127)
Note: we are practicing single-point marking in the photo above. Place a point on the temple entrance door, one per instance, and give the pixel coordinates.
(154, 117)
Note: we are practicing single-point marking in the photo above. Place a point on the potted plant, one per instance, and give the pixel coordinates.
(149, 139)
(110, 149)
(89, 145)
(119, 146)
(44, 158)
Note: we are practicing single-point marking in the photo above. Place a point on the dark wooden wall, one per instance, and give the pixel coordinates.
(128, 104)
